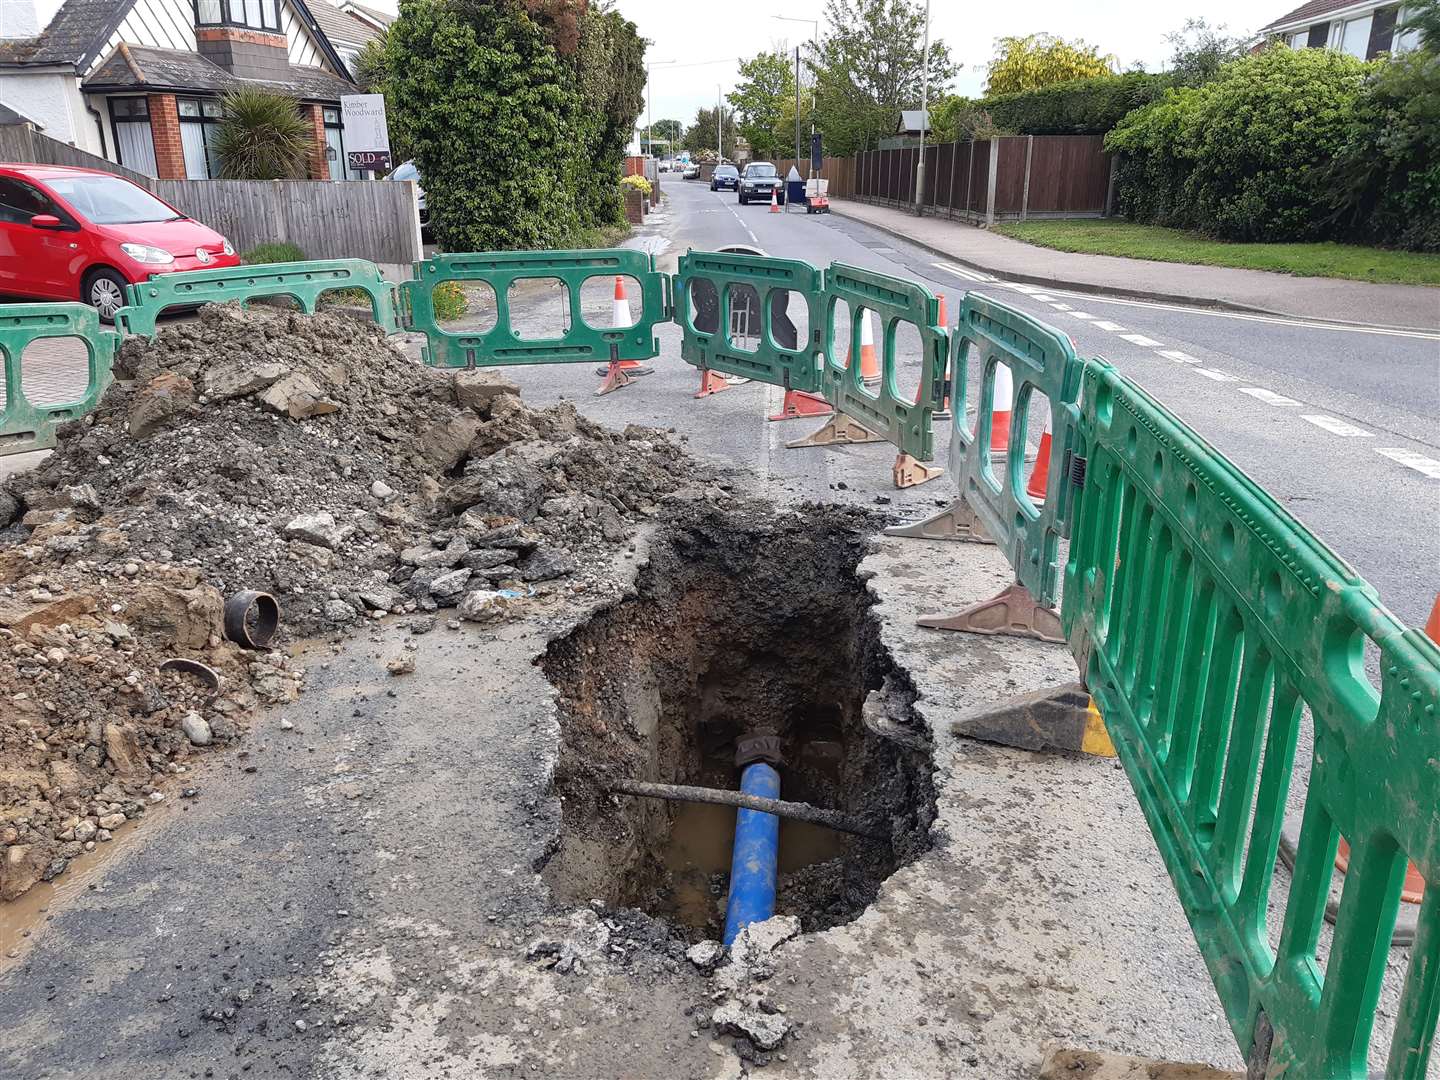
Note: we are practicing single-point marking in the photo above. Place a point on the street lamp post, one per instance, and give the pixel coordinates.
(924, 116)
(815, 40)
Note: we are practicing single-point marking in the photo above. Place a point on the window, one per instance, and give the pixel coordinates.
(134, 146)
(1404, 40)
(19, 202)
(112, 200)
(199, 124)
(255, 14)
(1355, 37)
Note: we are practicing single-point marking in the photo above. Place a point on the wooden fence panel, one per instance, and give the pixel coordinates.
(1068, 175)
(1010, 176)
(361, 219)
(351, 219)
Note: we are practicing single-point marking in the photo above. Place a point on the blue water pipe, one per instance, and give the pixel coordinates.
(754, 857)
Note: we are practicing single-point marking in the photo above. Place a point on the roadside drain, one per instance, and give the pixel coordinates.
(744, 623)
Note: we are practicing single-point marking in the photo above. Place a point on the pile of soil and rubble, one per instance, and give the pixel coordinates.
(303, 456)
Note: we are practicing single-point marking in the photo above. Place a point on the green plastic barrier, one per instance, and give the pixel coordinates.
(24, 425)
(1041, 359)
(752, 297)
(1209, 624)
(578, 342)
(302, 281)
(885, 410)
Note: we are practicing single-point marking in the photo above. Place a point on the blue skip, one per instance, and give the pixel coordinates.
(753, 859)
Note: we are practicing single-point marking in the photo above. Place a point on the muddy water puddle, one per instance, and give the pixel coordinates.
(745, 624)
(23, 919)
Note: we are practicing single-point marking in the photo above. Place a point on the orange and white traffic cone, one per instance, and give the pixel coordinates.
(1432, 625)
(944, 317)
(619, 320)
(1040, 476)
(1001, 404)
(869, 365)
(774, 200)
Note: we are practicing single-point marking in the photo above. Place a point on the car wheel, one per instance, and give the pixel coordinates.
(104, 290)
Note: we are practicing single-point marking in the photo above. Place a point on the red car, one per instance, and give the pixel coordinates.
(81, 234)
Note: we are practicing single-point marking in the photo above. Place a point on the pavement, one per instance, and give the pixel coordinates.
(355, 897)
(1333, 299)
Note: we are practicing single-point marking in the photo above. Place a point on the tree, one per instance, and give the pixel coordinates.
(763, 100)
(491, 116)
(610, 64)
(1028, 63)
(263, 136)
(700, 136)
(959, 119)
(1199, 50)
(369, 65)
(1423, 16)
(672, 131)
(868, 67)
(516, 112)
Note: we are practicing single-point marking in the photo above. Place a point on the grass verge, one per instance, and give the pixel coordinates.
(1109, 237)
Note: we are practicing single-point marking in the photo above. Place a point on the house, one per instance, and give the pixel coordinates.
(139, 82)
(1363, 30)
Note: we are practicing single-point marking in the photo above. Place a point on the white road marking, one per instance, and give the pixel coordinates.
(1178, 356)
(1411, 460)
(1277, 320)
(1141, 340)
(1041, 298)
(1338, 427)
(1269, 397)
(1113, 327)
(961, 272)
(1217, 375)
(1082, 315)
(1060, 307)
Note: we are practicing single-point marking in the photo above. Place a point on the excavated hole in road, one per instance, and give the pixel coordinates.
(743, 622)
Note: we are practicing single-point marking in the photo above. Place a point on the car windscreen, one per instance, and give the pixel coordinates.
(109, 200)
(727, 170)
(760, 171)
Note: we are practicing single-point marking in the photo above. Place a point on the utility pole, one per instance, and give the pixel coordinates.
(815, 43)
(719, 130)
(797, 104)
(924, 116)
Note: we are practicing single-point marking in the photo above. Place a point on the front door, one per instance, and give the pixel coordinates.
(35, 262)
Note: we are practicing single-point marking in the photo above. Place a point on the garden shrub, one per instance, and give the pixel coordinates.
(449, 300)
(1081, 107)
(1386, 177)
(273, 252)
(1245, 157)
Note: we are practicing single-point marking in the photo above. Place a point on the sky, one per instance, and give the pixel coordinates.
(705, 41)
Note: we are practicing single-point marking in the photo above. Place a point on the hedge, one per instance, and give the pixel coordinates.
(1247, 156)
(1082, 107)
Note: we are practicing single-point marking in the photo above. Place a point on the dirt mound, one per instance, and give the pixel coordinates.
(304, 456)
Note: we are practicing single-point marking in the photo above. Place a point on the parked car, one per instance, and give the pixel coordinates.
(760, 179)
(725, 176)
(407, 170)
(692, 171)
(81, 234)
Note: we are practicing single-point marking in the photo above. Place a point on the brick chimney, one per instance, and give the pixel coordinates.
(245, 53)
